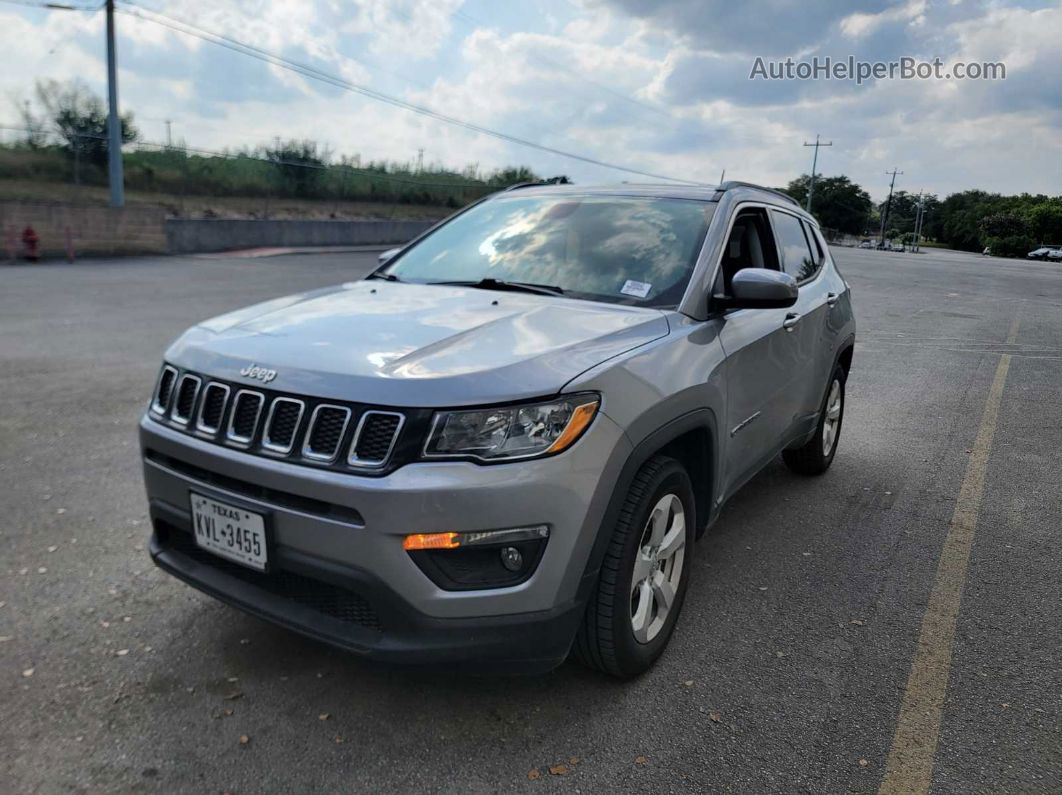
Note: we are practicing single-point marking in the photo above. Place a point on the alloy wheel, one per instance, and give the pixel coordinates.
(832, 422)
(658, 567)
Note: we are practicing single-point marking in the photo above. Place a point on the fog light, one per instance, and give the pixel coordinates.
(480, 559)
(511, 558)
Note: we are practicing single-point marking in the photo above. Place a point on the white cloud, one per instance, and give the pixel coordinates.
(662, 87)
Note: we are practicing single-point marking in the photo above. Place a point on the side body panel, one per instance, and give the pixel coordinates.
(762, 374)
(666, 381)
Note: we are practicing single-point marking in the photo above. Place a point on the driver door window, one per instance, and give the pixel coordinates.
(750, 245)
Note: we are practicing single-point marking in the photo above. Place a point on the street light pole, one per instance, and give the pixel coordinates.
(114, 126)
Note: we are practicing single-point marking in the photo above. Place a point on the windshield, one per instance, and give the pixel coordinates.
(619, 249)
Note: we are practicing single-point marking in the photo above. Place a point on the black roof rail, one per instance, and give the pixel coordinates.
(519, 185)
(731, 183)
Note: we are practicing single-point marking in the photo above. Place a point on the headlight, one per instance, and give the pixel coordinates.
(509, 432)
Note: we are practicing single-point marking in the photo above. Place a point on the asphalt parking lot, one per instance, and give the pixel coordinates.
(812, 602)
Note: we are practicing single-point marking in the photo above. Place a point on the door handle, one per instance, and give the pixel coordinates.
(832, 299)
(791, 320)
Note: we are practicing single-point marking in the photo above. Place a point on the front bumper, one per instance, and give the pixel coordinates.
(338, 570)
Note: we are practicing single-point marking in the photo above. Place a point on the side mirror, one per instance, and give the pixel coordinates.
(387, 255)
(759, 288)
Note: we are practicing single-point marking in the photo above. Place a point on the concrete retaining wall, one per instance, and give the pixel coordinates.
(92, 229)
(98, 230)
(186, 236)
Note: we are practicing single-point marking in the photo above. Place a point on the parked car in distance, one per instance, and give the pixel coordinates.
(1055, 254)
(897, 247)
(1040, 253)
(499, 448)
(866, 244)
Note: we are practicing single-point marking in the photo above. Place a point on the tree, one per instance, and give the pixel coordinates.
(300, 166)
(80, 119)
(36, 132)
(1045, 221)
(838, 202)
(1004, 225)
(512, 176)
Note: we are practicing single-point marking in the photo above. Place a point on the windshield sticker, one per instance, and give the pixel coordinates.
(637, 289)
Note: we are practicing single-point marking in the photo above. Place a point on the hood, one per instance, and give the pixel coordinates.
(400, 344)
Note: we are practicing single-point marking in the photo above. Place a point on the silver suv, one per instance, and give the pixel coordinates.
(499, 448)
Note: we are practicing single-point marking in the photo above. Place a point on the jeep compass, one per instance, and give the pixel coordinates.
(498, 449)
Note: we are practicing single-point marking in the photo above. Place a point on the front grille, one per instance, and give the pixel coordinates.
(245, 412)
(213, 407)
(164, 390)
(300, 429)
(330, 600)
(326, 432)
(186, 394)
(282, 424)
(376, 436)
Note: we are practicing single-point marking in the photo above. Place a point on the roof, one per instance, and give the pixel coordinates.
(662, 190)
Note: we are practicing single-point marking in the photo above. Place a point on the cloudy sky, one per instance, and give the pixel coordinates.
(660, 86)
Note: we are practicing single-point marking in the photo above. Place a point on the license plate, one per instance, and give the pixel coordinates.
(230, 532)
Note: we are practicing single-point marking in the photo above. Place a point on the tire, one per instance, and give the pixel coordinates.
(621, 633)
(815, 457)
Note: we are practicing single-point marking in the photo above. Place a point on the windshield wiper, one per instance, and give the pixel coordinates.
(499, 284)
(386, 276)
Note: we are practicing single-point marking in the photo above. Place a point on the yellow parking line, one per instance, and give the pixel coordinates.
(909, 768)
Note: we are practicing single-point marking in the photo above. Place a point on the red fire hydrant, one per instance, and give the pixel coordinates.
(30, 244)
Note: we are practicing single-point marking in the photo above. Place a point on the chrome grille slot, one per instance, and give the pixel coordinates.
(327, 426)
(281, 424)
(212, 409)
(308, 430)
(375, 437)
(164, 390)
(184, 405)
(246, 409)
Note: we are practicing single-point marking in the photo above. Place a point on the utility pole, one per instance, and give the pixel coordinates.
(917, 218)
(919, 221)
(814, 164)
(114, 127)
(888, 204)
(169, 135)
(420, 161)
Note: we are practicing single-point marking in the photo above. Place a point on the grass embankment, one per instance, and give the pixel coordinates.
(247, 185)
(191, 206)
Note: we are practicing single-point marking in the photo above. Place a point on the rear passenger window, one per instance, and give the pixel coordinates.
(816, 245)
(797, 260)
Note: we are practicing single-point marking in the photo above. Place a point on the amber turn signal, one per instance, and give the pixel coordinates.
(510, 535)
(576, 425)
(431, 541)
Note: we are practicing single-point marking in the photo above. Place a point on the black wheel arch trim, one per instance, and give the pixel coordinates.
(848, 344)
(698, 419)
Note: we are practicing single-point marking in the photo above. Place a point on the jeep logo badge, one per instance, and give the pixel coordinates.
(262, 374)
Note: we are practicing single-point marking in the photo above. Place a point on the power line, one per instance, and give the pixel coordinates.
(52, 6)
(472, 21)
(464, 15)
(315, 74)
